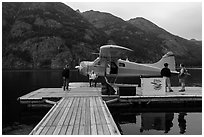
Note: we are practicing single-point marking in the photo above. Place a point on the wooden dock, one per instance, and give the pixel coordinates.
(81, 111)
(191, 94)
(40, 96)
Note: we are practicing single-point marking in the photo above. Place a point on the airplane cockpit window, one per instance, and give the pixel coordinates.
(121, 64)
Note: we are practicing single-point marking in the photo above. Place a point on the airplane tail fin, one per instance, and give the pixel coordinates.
(167, 58)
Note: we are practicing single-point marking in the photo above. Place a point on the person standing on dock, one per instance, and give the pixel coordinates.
(92, 78)
(65, 76)
(166, 74)
(182, 77)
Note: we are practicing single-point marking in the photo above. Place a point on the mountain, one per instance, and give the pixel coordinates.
(148, 26)
(185, 50)
(148, 41)
(125, 34)
(46, 35)
(51, 34)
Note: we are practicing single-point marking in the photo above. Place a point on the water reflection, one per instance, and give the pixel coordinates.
(182, 122)
(168, 121)
(158, 123)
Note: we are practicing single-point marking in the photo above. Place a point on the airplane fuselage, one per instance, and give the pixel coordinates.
(120, 68)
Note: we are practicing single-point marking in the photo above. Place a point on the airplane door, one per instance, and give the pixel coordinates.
(113, 68)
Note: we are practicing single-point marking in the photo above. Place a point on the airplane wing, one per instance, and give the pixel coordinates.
(112, 52)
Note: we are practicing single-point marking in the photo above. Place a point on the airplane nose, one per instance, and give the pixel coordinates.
(81, 67)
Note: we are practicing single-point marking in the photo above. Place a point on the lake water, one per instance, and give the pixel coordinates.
(18, 119)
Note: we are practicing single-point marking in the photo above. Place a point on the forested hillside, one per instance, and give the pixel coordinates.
(51, 34)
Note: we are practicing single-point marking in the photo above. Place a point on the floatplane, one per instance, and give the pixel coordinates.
(109, 64)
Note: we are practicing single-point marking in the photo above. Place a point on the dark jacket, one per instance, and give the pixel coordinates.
(166, 72)
(65, 73)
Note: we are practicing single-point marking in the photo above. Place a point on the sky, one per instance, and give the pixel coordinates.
(179, 18)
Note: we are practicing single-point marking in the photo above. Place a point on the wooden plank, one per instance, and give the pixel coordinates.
(82, 130)
(107, 119)
(160, 99)
(91, 102)
(161, 96)
(54, 115)
(70, 112)
(75, 129)
(44, 131)
(56, 121)
(99, 129)
(62, 116)
(126, 85)
(65, 112)
(98, 101)
(39, 130)
(87, 115)
(46, 118)
(31, 94)
(74, 112)
(78, 116)
(116, 131)
(100, 111)
(63, 130)
(80, 95)
(102, 117)
(51, 130)
(93, 122)
(53, 118)
(69, 130)
(98, 119)
(43, 93)
(82, 120)
(57, 130)
(73, 117)
(105, 129)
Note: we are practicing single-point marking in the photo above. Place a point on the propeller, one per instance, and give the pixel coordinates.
(79, 67)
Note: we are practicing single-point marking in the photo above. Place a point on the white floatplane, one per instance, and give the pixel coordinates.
(109, 64)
